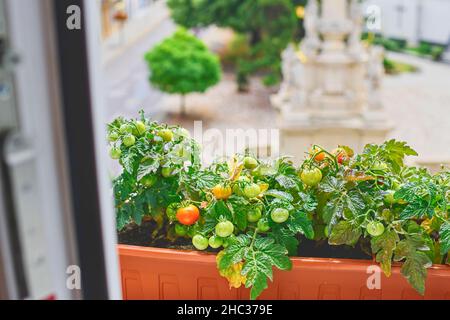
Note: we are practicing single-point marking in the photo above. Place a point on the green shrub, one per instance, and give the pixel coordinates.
(182, 64)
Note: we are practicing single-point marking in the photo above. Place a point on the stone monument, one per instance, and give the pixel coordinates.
(331, 96)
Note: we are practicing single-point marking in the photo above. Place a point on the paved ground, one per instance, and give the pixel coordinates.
(420, 106)
(126, 78)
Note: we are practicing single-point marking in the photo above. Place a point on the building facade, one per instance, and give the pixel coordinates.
(412, 20)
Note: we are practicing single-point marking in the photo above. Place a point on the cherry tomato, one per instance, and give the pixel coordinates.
(279, 215)
(181, 230)
(171, 211)
(115, 153)
(167, 172)
(221, 192)
(250, 163)
(320, 155)
(341, 155)
(252, 190)
(188, 215)
(149, 181)
(263, 225)
(254, 215)
(375, 228)
(215, 242)
(239, 184)
(139, 128)
(129, 140)
(311, 177)
(200, 242)
(166, 135)
(224, 229)
(125, 128)
(113, 136)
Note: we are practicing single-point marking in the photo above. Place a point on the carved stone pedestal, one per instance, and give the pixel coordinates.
(331, 95)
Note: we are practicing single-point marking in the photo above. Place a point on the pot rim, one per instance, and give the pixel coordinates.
(209, 257)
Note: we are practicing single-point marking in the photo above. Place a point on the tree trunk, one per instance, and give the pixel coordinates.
(183, 105)
(255, 37)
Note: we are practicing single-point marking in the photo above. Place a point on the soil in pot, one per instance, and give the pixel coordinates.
(146, 235)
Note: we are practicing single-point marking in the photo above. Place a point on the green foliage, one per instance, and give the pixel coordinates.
(183, 64)
(402, 211)
(269, 25)
(134, 198)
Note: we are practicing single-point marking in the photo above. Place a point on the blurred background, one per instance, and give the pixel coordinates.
(250, 37)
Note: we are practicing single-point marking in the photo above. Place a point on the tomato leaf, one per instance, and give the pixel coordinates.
(299, 223)
(286, 238)
(286, 182)
(236, 252)
(309, 201)
(259, 261)
(148, 167)
(344, 233)
(279, 194)
(444, 237)
(383, 246)
(414, 269)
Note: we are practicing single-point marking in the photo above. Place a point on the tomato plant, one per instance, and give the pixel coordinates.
(139, 189)
(254, 211)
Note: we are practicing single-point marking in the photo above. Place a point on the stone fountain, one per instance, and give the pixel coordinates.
(330, 92)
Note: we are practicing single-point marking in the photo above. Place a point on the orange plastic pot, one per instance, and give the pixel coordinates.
(166, 274)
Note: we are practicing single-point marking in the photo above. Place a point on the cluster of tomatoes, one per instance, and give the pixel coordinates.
(311, 171)
(126, 137)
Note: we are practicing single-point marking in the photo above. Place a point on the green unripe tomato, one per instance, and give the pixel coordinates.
(115, 153)
(167, 172)
(215, 242)
(254, 215)
(166, 135)
(263, 225)
(250, 163)
(375, 228)
(311, 177)
(148, 181)
(129, 140)
(125, 128)
(171, 211)
(279, 215)
(139, 128)
(224, 229)
(113, 136)
(200, 242)
(181, 230)
(252, 190)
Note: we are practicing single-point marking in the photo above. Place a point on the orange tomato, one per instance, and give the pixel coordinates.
(188, 215)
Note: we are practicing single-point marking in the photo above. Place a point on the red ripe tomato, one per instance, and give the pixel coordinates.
(188, 215)
(341, 155)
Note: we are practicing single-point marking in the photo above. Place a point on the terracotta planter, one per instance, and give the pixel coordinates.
(150, 273)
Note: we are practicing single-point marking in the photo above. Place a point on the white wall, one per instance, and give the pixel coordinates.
(436, 21)
(427, 20)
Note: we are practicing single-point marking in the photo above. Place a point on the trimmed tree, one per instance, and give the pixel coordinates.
(182, 64)
(269, 26)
